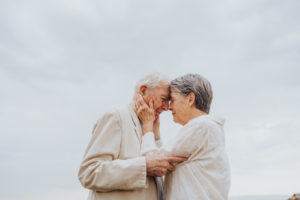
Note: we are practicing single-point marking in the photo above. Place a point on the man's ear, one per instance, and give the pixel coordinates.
(143, 90)
(191, 97)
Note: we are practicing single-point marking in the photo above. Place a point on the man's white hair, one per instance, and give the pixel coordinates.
(152, 80)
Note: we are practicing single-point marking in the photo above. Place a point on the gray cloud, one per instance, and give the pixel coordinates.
(62, 63)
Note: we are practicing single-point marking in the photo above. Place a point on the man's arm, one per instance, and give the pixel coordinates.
(101, 170)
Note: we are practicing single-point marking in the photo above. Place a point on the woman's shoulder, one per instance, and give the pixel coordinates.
(207, 121)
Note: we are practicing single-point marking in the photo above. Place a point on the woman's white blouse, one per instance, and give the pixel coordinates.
(205, 175)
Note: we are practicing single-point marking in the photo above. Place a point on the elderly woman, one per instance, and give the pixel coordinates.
(205, 175)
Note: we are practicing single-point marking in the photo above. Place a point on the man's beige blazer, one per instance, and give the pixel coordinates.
(112, 167)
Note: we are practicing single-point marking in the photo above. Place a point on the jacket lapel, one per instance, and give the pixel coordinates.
(136, 122)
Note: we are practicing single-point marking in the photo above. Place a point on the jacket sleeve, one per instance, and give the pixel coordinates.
(101, 170)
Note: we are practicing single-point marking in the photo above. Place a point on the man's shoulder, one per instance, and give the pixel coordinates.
(119, 109)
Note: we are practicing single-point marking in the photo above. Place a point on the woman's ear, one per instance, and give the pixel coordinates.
(191, 97)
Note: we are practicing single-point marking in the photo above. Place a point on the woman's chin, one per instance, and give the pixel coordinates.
(174, 119)
(177, 121)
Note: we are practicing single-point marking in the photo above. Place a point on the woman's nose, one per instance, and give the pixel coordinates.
(166, 106)
(170, 107)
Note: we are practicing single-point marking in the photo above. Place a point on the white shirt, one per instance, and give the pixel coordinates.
(205, 175)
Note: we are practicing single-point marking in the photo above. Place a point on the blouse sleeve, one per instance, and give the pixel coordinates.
(190, 137)
(148, 144)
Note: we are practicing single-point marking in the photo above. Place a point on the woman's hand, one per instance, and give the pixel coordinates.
(156, 131)
(145, 113)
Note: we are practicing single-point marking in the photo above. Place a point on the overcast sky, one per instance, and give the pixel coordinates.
(63, 62)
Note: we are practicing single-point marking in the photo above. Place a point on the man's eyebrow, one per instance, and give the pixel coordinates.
(167, 96)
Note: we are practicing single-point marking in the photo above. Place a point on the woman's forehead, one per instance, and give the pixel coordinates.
(175, 93)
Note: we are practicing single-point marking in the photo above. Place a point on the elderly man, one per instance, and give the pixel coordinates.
(112, 167)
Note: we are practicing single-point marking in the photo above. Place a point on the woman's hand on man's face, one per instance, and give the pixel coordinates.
(156, 125)
(145, 113)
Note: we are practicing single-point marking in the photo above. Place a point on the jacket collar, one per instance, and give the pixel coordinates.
(136, 122)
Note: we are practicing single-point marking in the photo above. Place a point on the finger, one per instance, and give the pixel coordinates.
(157, 173)
(140, 101)
(163, 171)
(170, 167)
(157, 120)
(143, 102)
(139, 96)
(137, 101)
(140, 110)
(137, 107)
(174, 159)
(136, 96)
(151, 104)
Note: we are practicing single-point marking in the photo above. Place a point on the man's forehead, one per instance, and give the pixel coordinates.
(164, 87)
(163, 91)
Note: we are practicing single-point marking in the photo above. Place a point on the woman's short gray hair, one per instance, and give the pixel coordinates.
(152, 80)
(197, 84)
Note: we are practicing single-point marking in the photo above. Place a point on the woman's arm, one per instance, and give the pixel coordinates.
(190, 138)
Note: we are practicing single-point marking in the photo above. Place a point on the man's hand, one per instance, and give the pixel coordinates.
(158, 165)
